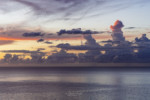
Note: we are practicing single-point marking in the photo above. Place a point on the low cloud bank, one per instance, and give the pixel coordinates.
(117, 50)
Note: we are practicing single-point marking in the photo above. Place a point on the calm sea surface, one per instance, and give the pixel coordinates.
(74, 84)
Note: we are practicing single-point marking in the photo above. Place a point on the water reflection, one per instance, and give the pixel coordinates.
(74, 85)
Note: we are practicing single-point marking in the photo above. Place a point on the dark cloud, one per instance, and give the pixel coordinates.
(7, 58)
(116, 50)
(61, 57)
(107, 41)
(67, 46)
(16, 59)
(40, 40)
(143, 38)
(77, 31)
(89, 45)
(90, 41)
(33, 34)
(47, 42)
(36, 56)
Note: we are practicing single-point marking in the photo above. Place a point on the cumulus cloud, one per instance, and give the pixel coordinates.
(9, 58)
(117, 34)
(77, 31)
(33, 34)
(62, 57)
(143, 38)
(122, 52)
(117, 25)
(36, 56)
(64, 9)
(89, 45)
(90, 41)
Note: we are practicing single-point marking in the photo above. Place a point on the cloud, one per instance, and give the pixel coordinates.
(107, 41)
(143, 38)
(40, 49)
(77, 31)
(89, 45)
(62, 57)
(75, 9)
(67, 46)
(47, 42)
(117, 25)
(9, 58)
(117, 34)
(50, 34)
(40, 40)
(14, 33)
(20, 51)
(33, 34)
(36, 56)
(70, 11)
(50, 7)
(90, 41)
(30, 3)
(69, 7)
(5, 42)
(122, 52)
(130, 27)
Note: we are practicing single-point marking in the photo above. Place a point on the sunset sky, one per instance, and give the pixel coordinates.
(50, 16)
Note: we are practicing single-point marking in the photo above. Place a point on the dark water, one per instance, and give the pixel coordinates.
(74, 84)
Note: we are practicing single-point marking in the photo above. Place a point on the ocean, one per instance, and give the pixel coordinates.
(74, 83)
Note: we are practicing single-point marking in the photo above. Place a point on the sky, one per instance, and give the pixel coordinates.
(33, 25)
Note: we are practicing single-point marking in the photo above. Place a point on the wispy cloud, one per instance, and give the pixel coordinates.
(130, 27)
(69, 9)
(20, 51)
